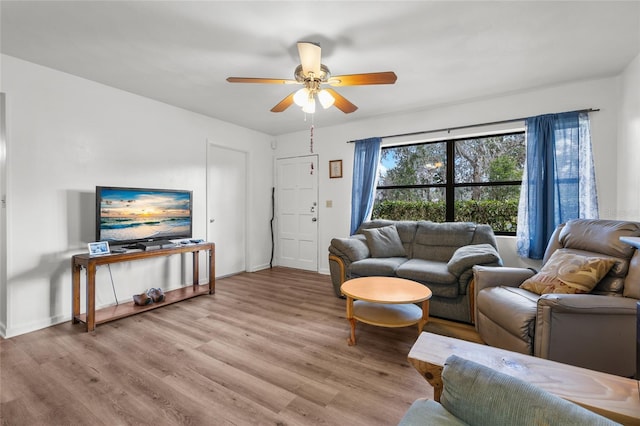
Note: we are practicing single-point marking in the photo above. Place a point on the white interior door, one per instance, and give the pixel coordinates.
(227, 208)
(297, 212)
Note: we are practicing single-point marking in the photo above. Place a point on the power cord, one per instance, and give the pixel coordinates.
(113, 287)
(273, 214)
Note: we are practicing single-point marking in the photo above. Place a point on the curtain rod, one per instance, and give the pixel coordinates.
(448, 129)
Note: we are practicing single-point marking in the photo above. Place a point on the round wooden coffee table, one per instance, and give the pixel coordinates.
(385, 302)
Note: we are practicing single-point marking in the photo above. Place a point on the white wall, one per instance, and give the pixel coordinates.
(330, 144)
(65, 135)
(629, 144)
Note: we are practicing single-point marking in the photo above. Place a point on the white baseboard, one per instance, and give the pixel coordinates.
(257, 268)
(34, 326)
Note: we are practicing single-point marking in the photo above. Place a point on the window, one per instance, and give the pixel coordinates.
(458, 180)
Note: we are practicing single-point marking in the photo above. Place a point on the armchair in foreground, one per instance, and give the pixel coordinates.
(580, 309)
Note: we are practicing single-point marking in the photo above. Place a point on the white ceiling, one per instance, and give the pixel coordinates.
(180, 52)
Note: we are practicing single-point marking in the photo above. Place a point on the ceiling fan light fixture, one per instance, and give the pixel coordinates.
(310, 106)
(326, 99)
(301, 97)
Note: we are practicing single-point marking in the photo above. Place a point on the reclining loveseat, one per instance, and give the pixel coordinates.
(579, 309)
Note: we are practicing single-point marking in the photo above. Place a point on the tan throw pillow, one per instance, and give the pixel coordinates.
(568, 273)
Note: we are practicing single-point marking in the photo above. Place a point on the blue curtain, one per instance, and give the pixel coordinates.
(559, 179)
(365, 170)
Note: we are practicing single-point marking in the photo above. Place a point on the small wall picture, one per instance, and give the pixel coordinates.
(99, 248)
(335, 169)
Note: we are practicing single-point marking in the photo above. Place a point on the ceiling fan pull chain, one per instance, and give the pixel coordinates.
(311, 139)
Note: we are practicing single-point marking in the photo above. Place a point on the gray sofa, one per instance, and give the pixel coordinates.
(474, 394)
(438, 255)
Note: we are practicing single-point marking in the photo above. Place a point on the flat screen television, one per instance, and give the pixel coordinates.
(127, 216)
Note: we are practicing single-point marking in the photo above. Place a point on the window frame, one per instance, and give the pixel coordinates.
(450, 185)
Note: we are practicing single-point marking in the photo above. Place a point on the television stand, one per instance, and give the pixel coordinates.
(90, 263)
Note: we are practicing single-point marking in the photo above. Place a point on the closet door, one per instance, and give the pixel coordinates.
(227, 208)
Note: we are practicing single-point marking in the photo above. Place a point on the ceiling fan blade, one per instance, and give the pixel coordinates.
(388, 77)
(341, 102)
(284, 104)
(309, 57)
(261, 80)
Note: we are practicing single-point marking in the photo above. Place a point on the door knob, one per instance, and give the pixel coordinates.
(211, 220)
(315, 219)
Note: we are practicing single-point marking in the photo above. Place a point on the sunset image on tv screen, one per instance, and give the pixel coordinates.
(127, 214)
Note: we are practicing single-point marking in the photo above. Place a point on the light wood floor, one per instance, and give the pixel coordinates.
(268, 348)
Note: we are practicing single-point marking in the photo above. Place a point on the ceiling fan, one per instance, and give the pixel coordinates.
(312, 75)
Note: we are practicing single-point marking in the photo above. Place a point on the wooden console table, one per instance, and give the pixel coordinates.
(111, 313)
(610, 396)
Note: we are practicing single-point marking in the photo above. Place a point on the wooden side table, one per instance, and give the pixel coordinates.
(610, 396)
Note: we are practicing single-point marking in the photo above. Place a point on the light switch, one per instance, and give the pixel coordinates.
(329, 203)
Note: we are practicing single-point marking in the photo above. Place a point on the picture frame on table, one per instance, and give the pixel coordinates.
(99, 248)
